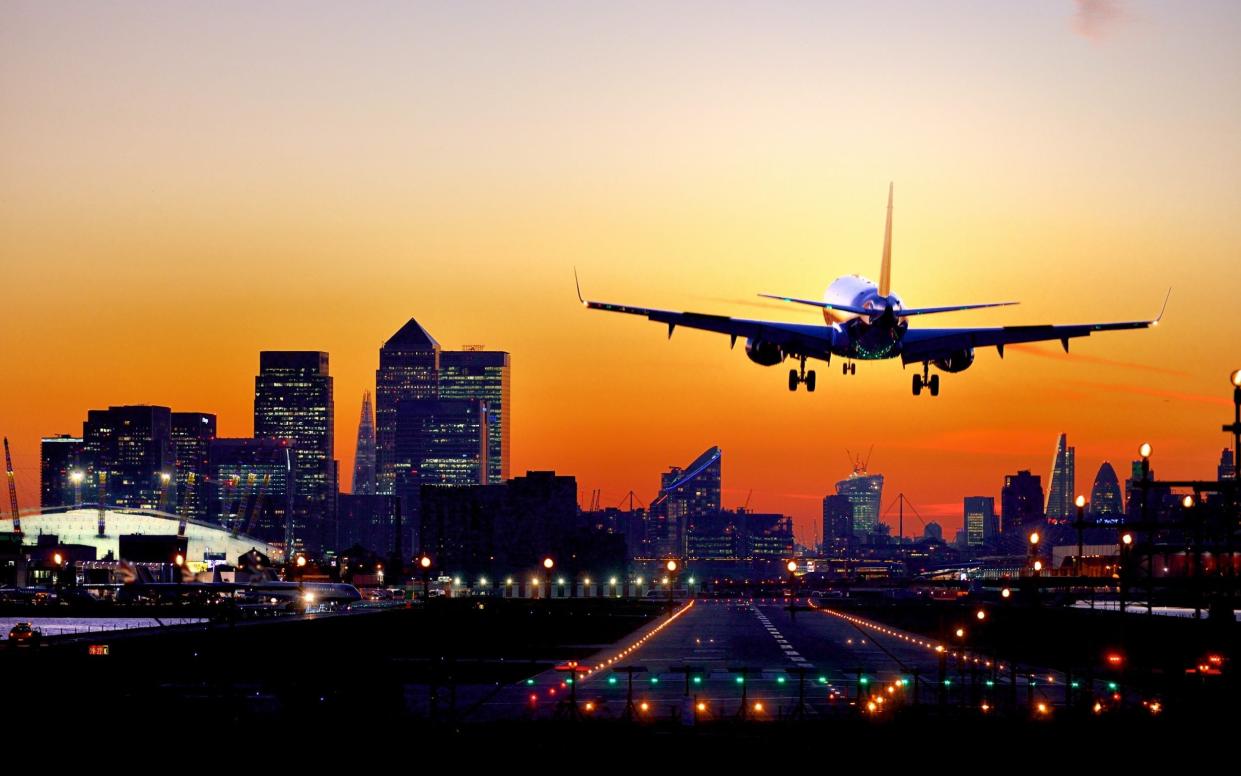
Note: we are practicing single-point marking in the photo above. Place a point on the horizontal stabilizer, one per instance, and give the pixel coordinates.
(951, 308)
(875, 312)
(844, 308)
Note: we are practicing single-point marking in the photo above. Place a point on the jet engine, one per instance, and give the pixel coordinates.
(956, 361)
(764, 353)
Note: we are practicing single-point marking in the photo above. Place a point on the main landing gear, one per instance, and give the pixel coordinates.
(924, 381)
(796, 377)
(848, 368)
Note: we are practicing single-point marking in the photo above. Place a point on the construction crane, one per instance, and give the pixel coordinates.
(8, 466)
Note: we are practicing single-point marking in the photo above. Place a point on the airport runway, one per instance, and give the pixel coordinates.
(721, 658)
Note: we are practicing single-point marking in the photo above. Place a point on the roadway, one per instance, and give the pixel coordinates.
(750, 657)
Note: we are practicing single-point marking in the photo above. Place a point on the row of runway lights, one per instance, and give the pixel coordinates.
(634, 647)
(874, 704)
(939, 649)
(1042, 708)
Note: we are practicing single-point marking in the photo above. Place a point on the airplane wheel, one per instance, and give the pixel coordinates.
(810, 381)
(917, 385)
(852, 369)
(934, 385)
(793, 380)
(844, 369)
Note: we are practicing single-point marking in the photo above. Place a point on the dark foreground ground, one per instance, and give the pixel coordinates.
(438, 682)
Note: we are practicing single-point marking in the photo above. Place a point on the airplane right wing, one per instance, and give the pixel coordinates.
(929, 344)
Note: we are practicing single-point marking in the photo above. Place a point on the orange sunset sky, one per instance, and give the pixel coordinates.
(186, 184)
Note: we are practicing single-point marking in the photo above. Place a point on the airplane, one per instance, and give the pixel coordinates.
(865, 321)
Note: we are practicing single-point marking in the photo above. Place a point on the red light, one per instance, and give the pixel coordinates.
(1115, 659)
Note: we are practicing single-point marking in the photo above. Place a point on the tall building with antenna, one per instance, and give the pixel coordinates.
(364, 458)
(1061, 493)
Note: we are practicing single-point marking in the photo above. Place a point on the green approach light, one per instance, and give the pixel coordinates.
(611, 680)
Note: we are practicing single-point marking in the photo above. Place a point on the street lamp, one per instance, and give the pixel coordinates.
(76, 477)
(1080, 525)
(424, 568)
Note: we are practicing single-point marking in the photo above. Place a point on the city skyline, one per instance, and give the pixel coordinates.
(807, 528)
(316, 206)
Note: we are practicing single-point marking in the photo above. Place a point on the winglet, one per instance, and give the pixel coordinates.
(578, 284)
(1159, 317)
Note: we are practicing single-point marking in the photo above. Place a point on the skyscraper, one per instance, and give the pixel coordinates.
(484, 375)
(364, 459)
(837, 525)
(251, 487)
(59, 457)
(684, 496)
(1061, 495)
(129, 457)
(980, 527)
(409, 365)
(438, 442)
(1227, 469)
(865, 493)
(192, 433)
(1021, 501)
(1105, 496)
(293, 401)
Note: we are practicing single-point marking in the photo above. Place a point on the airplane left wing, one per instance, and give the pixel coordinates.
(795, 339)
(929, 344)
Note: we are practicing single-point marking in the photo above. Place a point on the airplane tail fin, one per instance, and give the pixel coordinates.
(885, 269)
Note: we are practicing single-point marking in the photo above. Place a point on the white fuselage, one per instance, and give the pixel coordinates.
(855, 291)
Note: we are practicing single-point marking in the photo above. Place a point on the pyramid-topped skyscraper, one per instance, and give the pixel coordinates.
(409, 364)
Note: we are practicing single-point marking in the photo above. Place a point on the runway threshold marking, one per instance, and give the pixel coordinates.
(789, 652)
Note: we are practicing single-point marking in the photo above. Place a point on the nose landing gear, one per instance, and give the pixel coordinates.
(797, 377)
(930, 382)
